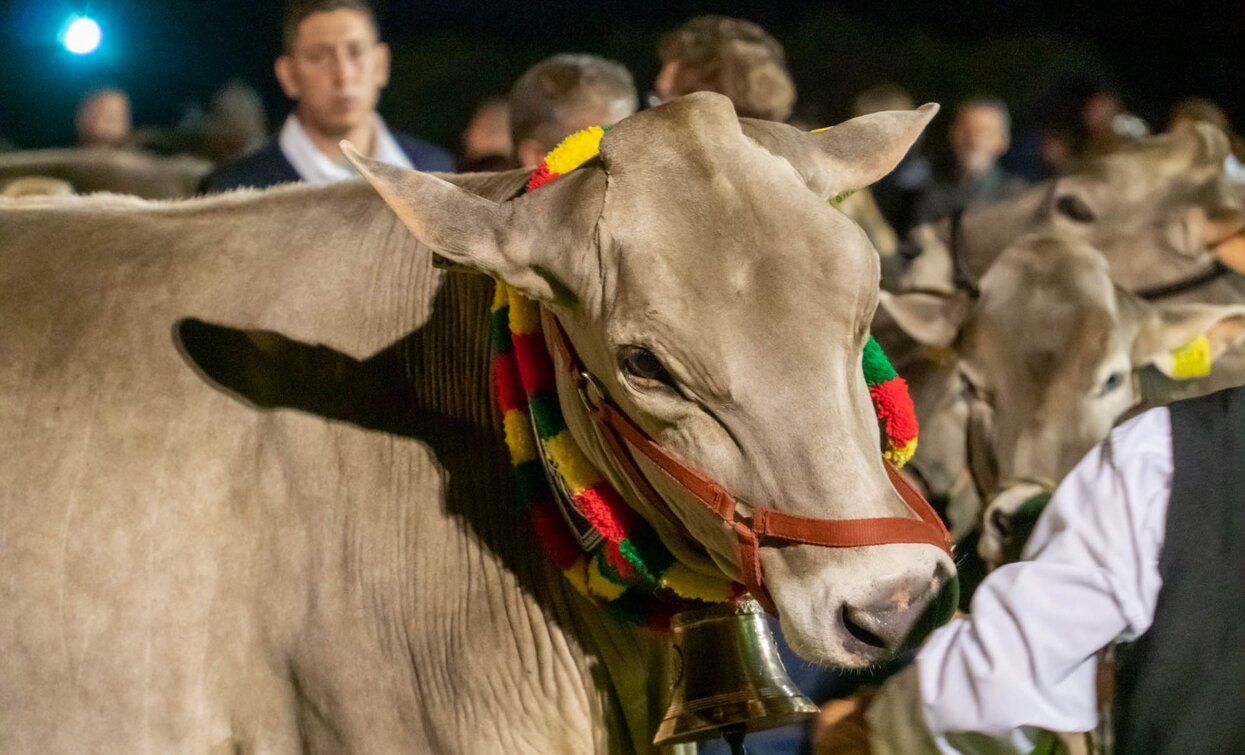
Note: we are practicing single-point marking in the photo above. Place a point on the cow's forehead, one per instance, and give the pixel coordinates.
(1049, 303)
(750, 252)
(691, 201)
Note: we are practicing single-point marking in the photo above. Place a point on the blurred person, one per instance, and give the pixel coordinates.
(1107, 124)
(235, 124)
(486, 142)
(334, 67)
(564, 94)
(898, 192)
(1100, 125)
(103, 119)
(1189, 111)
(740, 60)
(729, 56)
(979, 134)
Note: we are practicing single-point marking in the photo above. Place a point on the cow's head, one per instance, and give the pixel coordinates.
(1154, 209)
(723, 304)
(1047, 356)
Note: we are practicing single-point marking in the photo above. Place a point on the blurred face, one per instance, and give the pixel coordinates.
(488, 133)
(663, 87)
(335, 71)
(979, 135)
(104, 121)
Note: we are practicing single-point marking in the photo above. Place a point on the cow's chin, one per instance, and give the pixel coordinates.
(858, 607)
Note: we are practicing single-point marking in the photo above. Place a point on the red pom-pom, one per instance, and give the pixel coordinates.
(893, 405)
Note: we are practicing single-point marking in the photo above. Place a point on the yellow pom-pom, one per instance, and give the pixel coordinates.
(900, 455)
(524, 313)
(577, 575)
(570, 463)
(686, 583)
(575, 150)
(519, 436)
(600, 586)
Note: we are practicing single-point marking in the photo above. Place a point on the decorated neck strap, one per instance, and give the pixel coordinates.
(618, 560)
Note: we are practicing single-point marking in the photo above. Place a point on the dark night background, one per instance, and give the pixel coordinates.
(173, 53)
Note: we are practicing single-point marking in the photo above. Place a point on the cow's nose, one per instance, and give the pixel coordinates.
(905, 612)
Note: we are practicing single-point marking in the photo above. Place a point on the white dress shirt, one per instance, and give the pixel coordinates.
(1026, 658)
(315, 167)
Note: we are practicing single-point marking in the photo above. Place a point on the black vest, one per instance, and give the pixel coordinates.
(1180, 688)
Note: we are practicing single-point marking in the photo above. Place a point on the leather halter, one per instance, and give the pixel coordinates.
(961, 277)
(1216, 271)
(766, 527)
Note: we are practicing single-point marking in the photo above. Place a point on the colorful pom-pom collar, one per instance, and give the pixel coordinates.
(609, 553)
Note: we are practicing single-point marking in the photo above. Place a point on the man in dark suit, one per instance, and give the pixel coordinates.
(334, 67)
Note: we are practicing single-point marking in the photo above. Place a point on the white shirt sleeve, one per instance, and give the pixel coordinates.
(1026, 658)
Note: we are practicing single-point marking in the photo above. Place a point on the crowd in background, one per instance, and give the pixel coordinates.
(983, 156)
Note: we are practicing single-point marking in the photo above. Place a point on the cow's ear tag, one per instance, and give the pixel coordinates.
(1193, 360)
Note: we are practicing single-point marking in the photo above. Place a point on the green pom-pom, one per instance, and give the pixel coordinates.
(877, 367)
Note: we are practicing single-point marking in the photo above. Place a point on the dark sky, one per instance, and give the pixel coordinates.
(170, 53)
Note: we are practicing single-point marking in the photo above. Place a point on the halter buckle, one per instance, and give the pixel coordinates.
(591, 393)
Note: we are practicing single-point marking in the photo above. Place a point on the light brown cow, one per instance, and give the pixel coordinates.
(309, 542)
(103, 169)
(1153, 210)
(1052, 355)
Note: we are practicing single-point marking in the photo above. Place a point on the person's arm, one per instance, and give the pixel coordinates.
(1026, 657)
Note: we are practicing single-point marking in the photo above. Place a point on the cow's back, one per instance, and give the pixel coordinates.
(283, 547)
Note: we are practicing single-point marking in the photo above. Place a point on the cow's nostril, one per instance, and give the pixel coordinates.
(859, 632)
(1000, 522)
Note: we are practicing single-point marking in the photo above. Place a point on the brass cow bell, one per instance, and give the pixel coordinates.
(725, 677)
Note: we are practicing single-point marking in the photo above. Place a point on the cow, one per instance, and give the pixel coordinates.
(254, 490)
(101, 169)
(36, 186)
(1154, 209)
(1052, 354)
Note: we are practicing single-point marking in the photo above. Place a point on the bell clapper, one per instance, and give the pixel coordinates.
(734, 737)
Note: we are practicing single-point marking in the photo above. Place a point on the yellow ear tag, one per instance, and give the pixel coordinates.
(1192, 360)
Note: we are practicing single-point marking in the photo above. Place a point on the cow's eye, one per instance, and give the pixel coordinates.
(643, 368)
(1113, 383)
(1074, 208)
(972, 390)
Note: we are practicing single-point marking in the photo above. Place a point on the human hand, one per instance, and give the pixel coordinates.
(840, 728)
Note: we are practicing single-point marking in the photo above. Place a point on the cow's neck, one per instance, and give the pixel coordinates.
(447, 369)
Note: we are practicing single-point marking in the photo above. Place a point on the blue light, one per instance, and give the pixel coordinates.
(81, 36)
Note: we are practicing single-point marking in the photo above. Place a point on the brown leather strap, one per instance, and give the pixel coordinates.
(716, 498)
(634, 474)
(750, 568)
(766, 525)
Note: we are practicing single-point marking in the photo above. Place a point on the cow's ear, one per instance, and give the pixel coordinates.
(848, 156)
(523, 242)
(930, 319)
(1184, 340)
(1202, 143)
(864, 149)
